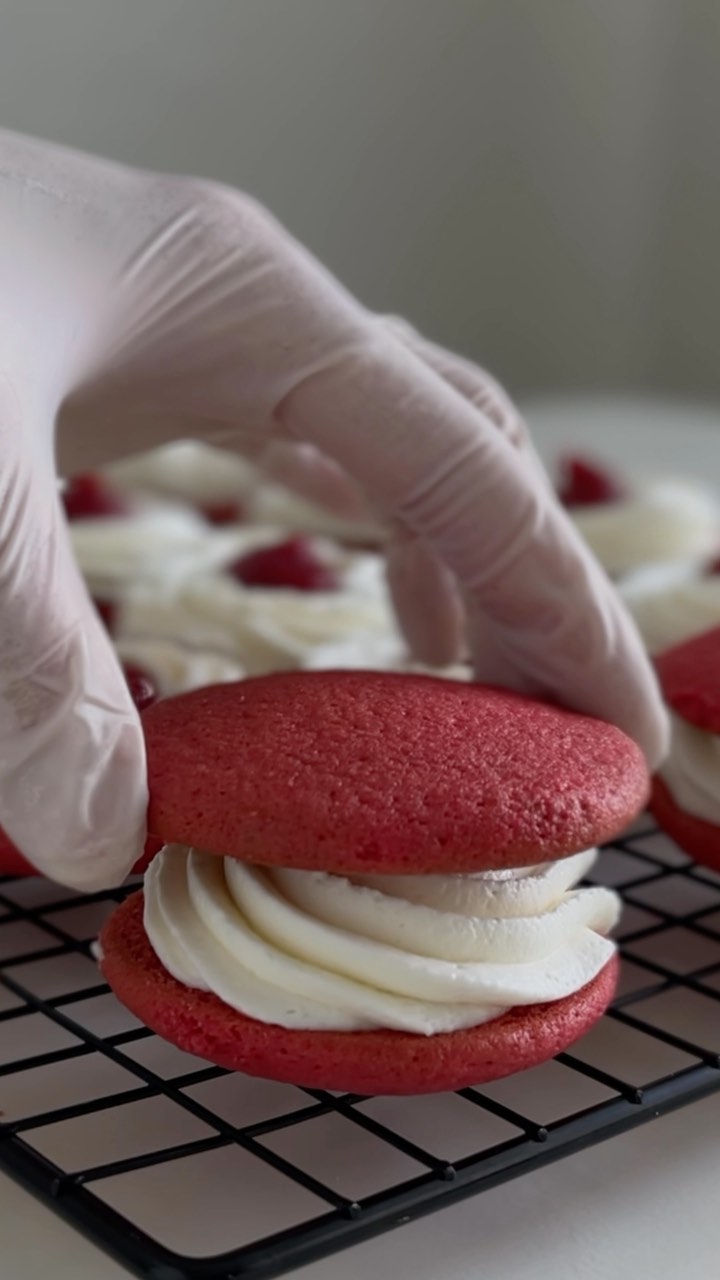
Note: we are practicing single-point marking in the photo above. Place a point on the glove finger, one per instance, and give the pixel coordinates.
(73, 791)
(492, 664)
(424, 452)
(474, 383)
(310, 474)
(426, 599)
(479, 388)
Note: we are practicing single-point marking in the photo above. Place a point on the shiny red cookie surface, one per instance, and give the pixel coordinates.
(370, 1062)
(699, 839)
(360, 771)
(689, 675)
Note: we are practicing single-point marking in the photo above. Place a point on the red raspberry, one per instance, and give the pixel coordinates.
(228, 512)
(293, 563)
(583, 484)
(108, 612)
(89, 497)
(143, 689)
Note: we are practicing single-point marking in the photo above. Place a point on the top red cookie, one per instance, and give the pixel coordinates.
(358, 771)
(690, 677)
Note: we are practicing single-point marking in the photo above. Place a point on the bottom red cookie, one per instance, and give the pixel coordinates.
(368, 1062)
(695, 836)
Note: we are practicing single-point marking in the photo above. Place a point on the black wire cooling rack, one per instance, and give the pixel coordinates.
(153, 1153)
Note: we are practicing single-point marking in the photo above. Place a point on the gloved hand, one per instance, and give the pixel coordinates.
(137, 308)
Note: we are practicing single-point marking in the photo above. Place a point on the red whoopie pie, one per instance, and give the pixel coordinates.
(355, 772)
(690, 679)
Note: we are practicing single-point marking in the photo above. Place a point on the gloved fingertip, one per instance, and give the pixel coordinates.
(110, 821)
(427, 603)
(315, 477)
(620, 687)
(651, 729)
(101, 863)
(73, 785)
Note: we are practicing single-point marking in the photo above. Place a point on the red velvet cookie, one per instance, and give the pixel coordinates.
(698, 838)
(690, 678)
(356, 771)
(360, 771)
(373, 1062)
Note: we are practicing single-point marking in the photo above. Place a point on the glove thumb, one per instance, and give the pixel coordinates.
(73, 790)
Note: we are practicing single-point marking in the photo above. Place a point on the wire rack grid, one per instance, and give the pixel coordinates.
(117, 1130)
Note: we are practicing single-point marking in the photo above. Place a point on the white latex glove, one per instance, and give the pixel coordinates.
(135, 309)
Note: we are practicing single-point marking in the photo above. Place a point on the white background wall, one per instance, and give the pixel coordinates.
(536, 182)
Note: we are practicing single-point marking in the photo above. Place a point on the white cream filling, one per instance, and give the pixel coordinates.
(423, 954)
(666, 520)
(692, 770)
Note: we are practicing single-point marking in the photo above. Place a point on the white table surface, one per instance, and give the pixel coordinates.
(642, 1205)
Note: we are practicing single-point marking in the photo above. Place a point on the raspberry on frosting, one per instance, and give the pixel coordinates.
(90, 497)
(222, 513)
(584, 483)
(108, 612)
(293, 563)
(143, 689)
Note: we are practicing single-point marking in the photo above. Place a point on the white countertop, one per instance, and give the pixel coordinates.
(644, 1204)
